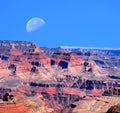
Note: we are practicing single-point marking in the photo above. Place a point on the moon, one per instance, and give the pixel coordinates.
(34, 24)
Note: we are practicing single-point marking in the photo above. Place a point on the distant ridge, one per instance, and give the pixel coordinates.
(77, 47)
(15, 41)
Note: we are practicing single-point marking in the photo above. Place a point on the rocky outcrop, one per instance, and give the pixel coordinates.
(51, 51)
(103, 57)
(70, 58)
(114, 109)
(70, 61)
(24, 55)
(97, 105)
(22, 46)
(56, 92)
(24, 105)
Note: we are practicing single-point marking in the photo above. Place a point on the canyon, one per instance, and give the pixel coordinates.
(58, 80)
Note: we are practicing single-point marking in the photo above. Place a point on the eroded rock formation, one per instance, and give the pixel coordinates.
(57, 78)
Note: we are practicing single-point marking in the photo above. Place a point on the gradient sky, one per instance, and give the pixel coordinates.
(89, 23)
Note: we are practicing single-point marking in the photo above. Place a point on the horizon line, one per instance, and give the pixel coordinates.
(79, 47)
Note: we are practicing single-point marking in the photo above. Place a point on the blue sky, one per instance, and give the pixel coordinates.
(89, 23)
